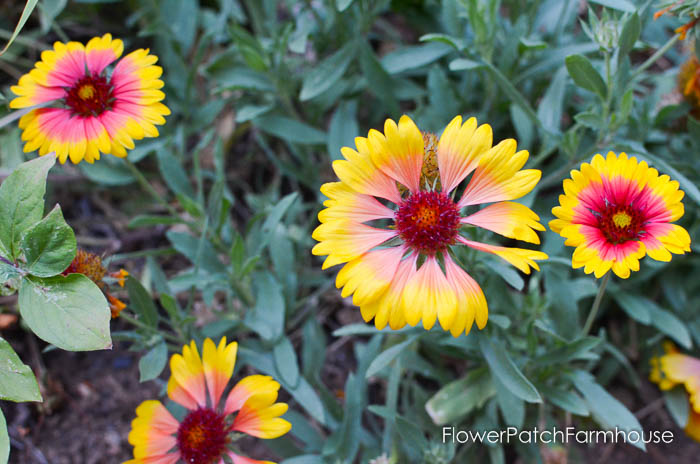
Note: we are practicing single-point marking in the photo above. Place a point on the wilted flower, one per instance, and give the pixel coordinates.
(394, 220)
(98, 112)
(90, 265)
(615, 211)
(675, 368)
(689, 81)
(205, 434)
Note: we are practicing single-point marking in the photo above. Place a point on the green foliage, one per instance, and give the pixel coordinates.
(264, 95)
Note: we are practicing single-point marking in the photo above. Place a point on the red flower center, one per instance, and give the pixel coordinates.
(620, 224)
(202, 436)
(90, 96)
(428, 221)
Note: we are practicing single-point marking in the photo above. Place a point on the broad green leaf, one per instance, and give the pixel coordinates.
(153, 362)
(22, 202)
(108, 171)
(71, 312)
(387, 356)
(630, 34)
(180, 16)
(574, 350)
(455, 42)
(4, 440)
(342, 129)
(507, 273)
(585, 75)
(286, 361)
(379, 82)
(173, 173)
(141, 303)
(49, 245)
(248, 112)
(503, 367)
(327, 72)
(414, 56)
(512, 408)
(189, 246)
(458, 398)
(463, 64)
(289, 129)
(606, 409)
(590, 119)
(17, 381)
(687, 185)
(669, 324)
(26, 12)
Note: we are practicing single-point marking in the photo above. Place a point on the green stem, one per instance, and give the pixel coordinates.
(596, 304)
(653, 58)
(133, 321)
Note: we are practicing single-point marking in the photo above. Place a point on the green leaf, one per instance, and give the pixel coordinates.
(4, 440)
(511, 92)
(453, 41)
(343, 5)
(507, 372)
(71, 312)
(26, 12)
(630, 33)
(458, 398)
(414, 56)
(274, 218)
(686, 184)
(180, 16)
(173, 173)
(242, 78)
(108, 171)
(621, 5)
(463, 64)
(669, 324)
(17, 381)
(551, 106)
(149, 220)
(379, 82)
(590, 119)
(289, 129)
(266, 318)
(49, 245)
(342, 129)
(248, 112)
(676, 400)
(387, 356)
(636, 307)
(286, 361)
(512, 408)
(153, 362)
(22, 202)
(585, 75)
(567, 400)
(189, 246)
(571, 351)
(327, 72)
(606, 409)
(141, 303)
(507, 273)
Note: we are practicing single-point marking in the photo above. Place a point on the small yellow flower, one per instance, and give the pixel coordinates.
(204, 435)
(615, 211)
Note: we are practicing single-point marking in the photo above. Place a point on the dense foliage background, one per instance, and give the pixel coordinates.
(215, 224)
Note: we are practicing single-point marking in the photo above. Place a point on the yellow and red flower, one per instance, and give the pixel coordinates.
(205, 434)
(615, 211)
(393, 219)
(90, 265)
(98, 112)
(675, 368)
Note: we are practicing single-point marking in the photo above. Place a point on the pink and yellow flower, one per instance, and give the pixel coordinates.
(206, 433)
(97, 112)
(675, 368)
(393, 219)
(615, 211)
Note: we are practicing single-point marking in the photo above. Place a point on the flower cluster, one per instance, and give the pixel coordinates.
(395, 217)
(207, 432)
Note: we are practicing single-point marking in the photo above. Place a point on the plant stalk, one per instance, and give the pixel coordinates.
(596, 304)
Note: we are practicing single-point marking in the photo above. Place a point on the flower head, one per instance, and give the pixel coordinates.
(394, 219)
(90, 265)
(615, 211)
(675, 368)
(689, 80)
(97, 112)
(205, 434)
